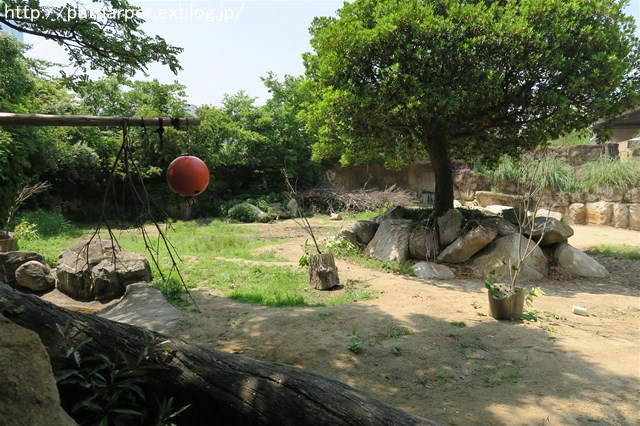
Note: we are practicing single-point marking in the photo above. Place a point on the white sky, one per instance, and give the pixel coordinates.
(228, 45)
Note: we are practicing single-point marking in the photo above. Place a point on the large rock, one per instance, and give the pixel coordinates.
(599, 213)
(577, 214)
(423, 243)
(620, 215)
(548, 231)
(35, 276)
(574, 262)
(365, 230)
(488, 198)
(28, 393)
(632, 196)
(88, 272)
(396, 212)
(449, 226)
(469, 244)
(634, 217)
(11, 261)
(430, 270)
(503, 252)
(503, 226)
(391, 242)
(349, 236)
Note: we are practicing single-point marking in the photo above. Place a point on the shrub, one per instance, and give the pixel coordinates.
(49, 223)
(607, 172)
(245, 212)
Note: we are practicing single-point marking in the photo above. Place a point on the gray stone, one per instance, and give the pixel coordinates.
(468, 244)
(449, 226)
(503, 253)
(423, 243)
(599, 213)
(35, 276)
(609, 194)
(503, 226)
(488, 198)
(293, 208)
(591, 197)
(396, 212)
(12, 260)
(548, 231)
(620, 215)
(349, 236)
(335, 216)
(88, 272)
(632, 196)
(365, 230)
(548, 213)
(634, 217)
(572, 261)
(577, 214)
(391, 242)
(430, 270)
(28, 392)
(576, 197)
(145, 306)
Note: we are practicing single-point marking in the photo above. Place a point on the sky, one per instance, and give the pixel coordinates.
(228, 45)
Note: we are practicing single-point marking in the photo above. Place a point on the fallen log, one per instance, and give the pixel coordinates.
(224, 389)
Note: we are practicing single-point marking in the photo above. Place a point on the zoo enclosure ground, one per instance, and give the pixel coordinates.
(455, 365)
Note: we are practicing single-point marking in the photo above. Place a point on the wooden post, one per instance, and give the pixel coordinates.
(11, 119)
(323, 273)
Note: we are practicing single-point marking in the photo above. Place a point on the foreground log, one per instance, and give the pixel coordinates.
(224, 389)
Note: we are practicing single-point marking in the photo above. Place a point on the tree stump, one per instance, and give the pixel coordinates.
(323, 272)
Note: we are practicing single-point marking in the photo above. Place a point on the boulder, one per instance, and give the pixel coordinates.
(349, 236)
(364, 230)
(423, 243)
(488, 198)
(449, 226)
(293, 208)
(335, 216)
(503, 226)
(503, 252)
(396, 212)
(634, 217)
(12, 260)
(552, 231)
(468, 244)
(599, 213)
(610, 194)
(28, 392)
(431, 270)
(620, 215)
(35, 276)
(88, 271)
(577, 214)
(391, 242)
(572, 261)
(632, 196)
(548, 213)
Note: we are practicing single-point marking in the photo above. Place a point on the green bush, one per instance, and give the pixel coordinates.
(48, 224)
(550, 173)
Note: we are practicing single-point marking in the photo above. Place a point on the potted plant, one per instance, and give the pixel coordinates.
(7, 240)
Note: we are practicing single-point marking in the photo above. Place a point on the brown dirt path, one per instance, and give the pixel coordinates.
(457, 365)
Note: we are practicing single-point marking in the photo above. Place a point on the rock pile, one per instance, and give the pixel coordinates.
(489, 244)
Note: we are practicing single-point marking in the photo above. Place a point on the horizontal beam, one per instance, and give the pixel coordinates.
(11, 119)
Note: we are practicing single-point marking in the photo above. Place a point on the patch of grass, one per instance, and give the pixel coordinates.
(577, 137)
(607, 172)
(354, 342)
(460, 324)
(497, 376)
(617, 251)
(396, 331)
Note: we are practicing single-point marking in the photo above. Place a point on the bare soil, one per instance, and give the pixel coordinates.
(456, 365)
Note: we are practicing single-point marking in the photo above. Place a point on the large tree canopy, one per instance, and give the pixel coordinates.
(99, 35)
(459, 79)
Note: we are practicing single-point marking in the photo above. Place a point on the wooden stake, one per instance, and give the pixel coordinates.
(11, 119)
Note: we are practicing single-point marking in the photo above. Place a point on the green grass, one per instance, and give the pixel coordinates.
(577, 137)
(609, 172)
(617, 251)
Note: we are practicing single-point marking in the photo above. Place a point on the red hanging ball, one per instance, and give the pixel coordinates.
(188, 176)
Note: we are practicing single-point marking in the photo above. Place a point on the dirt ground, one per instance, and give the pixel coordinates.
(456, 365)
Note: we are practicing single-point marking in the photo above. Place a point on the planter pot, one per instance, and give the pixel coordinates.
(7, 242)
(507, 305)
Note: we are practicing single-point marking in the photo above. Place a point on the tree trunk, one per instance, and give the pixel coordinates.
(323, 273)
(223, 388)
(443, 171)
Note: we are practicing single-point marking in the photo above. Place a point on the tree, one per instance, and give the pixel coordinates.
(465, 79)
(103, 35)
